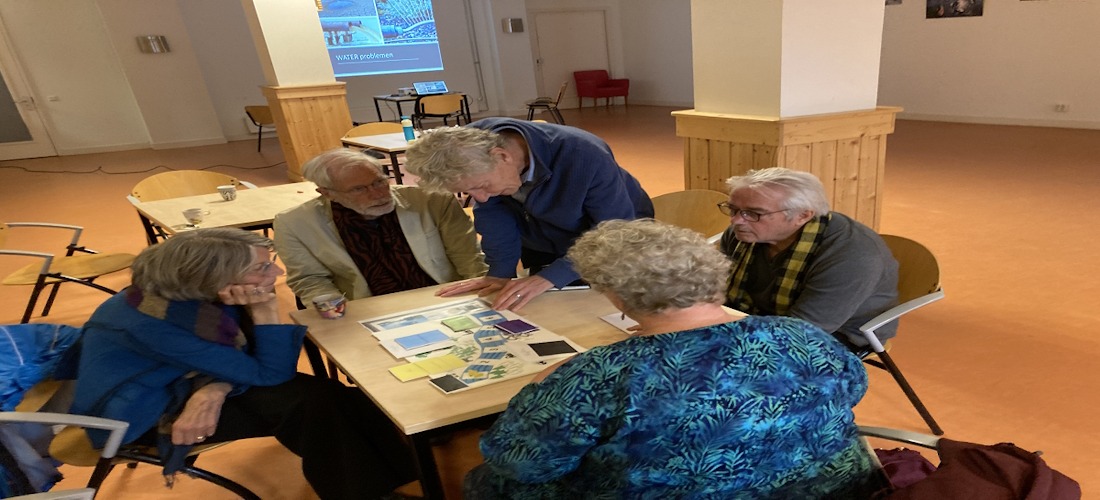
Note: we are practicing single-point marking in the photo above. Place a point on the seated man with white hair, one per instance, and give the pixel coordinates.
(364, 236)
(793, 256)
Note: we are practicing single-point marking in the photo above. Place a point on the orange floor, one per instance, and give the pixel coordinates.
(1009, 211)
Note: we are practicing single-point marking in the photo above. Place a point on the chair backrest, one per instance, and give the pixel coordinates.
(596, 76)
(443, 104)
(561, 92)
(260, 115)
(695, 209)
(180, 183)
(375, 128)
(918, 271)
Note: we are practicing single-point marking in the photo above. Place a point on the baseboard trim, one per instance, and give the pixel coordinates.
(988, 120)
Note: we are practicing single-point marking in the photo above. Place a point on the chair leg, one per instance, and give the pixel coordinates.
(259, 137)
(530, 113)
(557, 116)
(38, 286)
(49, 300)
(908, 390)
(102, 469)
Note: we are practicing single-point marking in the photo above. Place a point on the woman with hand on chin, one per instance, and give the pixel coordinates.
(193, 352)
(698, 403)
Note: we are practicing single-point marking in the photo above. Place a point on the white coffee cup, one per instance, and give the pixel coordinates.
(194, 216)
(228, 192)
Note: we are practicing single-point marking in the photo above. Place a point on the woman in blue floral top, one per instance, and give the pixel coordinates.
(698, 403)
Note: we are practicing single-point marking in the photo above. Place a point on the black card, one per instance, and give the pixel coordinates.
(552, 348)
(448, 383)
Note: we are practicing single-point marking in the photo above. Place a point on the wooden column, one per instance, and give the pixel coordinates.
(311, 119)
(846, 150)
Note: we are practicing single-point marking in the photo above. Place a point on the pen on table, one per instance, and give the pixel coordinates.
(569, 287)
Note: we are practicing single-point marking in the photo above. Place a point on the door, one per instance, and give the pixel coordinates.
(22, 133)
(568, 41)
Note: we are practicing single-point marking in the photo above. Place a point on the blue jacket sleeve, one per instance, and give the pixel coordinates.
(272, 361)
(498, 226)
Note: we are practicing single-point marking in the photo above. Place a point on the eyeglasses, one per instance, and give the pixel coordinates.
(360, 190)
(748, 215)
(264, 267)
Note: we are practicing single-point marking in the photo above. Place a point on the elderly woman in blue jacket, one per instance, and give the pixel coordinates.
(193, 352)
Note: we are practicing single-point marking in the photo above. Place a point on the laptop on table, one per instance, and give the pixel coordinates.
(429, 88)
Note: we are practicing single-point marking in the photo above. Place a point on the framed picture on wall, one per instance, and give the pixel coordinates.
(953, 8)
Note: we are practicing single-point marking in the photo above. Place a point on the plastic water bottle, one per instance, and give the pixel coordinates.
(407, 127)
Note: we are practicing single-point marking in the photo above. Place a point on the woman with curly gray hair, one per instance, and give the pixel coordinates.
(700, 402)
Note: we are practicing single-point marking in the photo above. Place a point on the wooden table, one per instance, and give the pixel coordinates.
(253, 208)
(417, 408)
(391, 144)
(397, 99)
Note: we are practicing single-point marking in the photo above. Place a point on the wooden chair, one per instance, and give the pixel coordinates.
(442, 106)
(596, 83)
(695, 209)
(54, 270)
(549, 104)
(175, 184)
(918, 286)
(261, 117)
(378, 128)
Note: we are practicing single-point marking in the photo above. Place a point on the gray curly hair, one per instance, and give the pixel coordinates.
(651, 266)
(442, 157)
(320, 168)
(195, 265)
(801, 190)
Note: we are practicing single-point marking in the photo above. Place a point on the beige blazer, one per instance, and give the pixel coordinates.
(438, 230)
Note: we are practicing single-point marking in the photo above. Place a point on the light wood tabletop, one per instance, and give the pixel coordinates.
(253, 207)
(387, 143)
(416, 406)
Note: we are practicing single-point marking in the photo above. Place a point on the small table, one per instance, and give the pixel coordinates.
(415, 407)
(398, 99)
(253, 208)
(392, 144)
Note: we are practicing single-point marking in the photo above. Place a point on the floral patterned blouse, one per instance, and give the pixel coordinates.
(757, 408)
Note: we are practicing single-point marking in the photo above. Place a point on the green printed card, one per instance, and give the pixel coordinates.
(460, 323)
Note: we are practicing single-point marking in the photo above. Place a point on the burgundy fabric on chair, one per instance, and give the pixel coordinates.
(595, 83)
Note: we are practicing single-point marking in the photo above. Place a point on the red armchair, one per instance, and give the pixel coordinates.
(595, 83)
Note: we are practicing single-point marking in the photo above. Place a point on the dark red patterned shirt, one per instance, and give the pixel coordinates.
(380, 251)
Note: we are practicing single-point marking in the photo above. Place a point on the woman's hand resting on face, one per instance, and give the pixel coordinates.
(259, 299)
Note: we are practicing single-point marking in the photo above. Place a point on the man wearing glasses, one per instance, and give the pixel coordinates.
(794, 257)
(365, 237)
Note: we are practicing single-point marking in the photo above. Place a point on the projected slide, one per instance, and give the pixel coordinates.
(374, 37)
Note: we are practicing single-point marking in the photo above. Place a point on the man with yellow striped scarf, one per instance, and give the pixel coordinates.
(794, 257)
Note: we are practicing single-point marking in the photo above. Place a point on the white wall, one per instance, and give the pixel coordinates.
(230, 66)
(66, 53)
(169, 87)
(656, 48)
(1009, 66)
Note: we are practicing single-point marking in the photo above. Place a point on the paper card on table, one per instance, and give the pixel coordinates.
(440, 364)
(516, 326)
(407, 372)
(449, 383)
(617, 320)
(421, 339)
(460, 323)
(552, 348)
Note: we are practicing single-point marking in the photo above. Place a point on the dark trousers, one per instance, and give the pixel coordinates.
(535, 260)
(349, 448)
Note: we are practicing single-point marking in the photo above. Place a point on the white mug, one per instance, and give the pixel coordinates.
(228, 192)
(194, 216)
